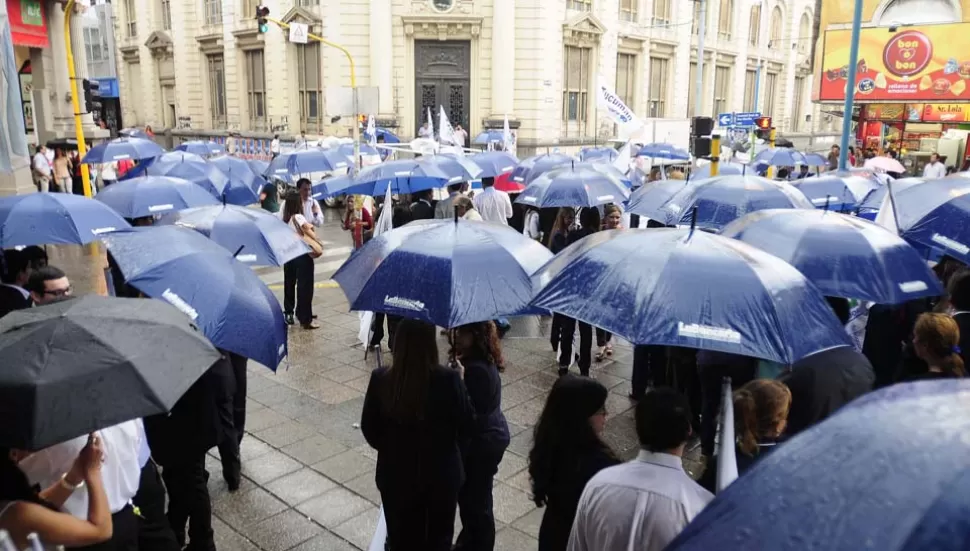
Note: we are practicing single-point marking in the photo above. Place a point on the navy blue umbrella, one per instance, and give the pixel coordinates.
(888, 471)
(54, 218)
(223, 296)
(207, 176)
(166, 160)
(259, 166)
(338, 185)
(203, 148)
(723, 169)
(607, 154)
(574, 186)
(780, 156)
(121, 149)
(652, 196)
(936, 214)
(151, 195)
(444, 272)
(873, 202)
(680, 287)
(290, 165)
(494, 163)
(260, 238)
(840, 192)
(238, 170)
(663, 151)
(454, 166)
(844, 256)
(531, 168)
(404, 176)
(814, 159)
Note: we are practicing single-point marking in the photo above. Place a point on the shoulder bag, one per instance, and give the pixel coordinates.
(310, 238)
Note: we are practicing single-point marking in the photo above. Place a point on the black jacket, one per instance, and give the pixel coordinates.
(709, 479)
(12, 299)
(563, 498)
(422, 210)
(824, 382)
(419, 458)
(491, 434)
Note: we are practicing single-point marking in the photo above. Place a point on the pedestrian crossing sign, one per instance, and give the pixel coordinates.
(298, 33)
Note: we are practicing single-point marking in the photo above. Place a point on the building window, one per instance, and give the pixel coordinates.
(691, 89)
(797, 104)
(771, 82)
(306, 3)
(724, 19)
(626, 77)
(750, 101)
(804, 34)
(754, 23)
(659, 75)
(774, 34)
(94, 45)
(213, 12)
(722, 88)
(166, 10)
(575, 83)
(217, 89)
(130, 19)
(310, 84)
(256, 89)
(580, 5)
(661, 12)
(628, 10)
(441, 5)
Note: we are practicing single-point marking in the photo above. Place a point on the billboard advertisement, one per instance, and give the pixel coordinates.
(928, 64)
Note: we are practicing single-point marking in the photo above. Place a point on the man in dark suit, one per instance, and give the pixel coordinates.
(14, 273)
(421, 208)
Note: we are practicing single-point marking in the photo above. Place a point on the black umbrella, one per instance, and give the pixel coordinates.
(82, 364)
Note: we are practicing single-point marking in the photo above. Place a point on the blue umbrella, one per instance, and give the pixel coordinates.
(121, 149)
(223, 296)
(873, 201)
(652, 196)
(680, 287)
(405, 176)
(888, 471)
(494, 163)
(723, 199)
(208, 177)
(347, 150)
(133, 133)
(453, 165)
(844, 256)
(238, 170)
(389, 137)
(531, 168)
(167, 159)
(839, 192)
(338, 185)
(780, 156)
(663, 151)
(201, 147)
(608, 169)
(723, 169)
(598, 154)
(306, 161)
(54, 218)
(814, 159)
(489, 136)
(151, 195)
(573, 186)
(259, 166)
(444, 272)
(936, 214)
(261, 238)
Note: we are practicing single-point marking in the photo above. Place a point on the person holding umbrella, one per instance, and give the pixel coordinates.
(14, 273)
(565, 219)
(589, 223)
(298, 273)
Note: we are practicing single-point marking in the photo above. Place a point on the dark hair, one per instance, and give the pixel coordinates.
(663, 420)
(415, 356)
(400, 216)
(589, 218)
(759, 409)
(563, 435)
(39, 277)
(455, 187)
(559, 226)
(940, 335)
(841, 308)
(488, 182)
(301, 181)
(292, 205)
(485, 344)
(35, 255)
(959, 289)
(783, 172)
(14, 263)
(14, 485)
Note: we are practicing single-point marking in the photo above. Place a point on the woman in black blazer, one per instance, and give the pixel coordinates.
(479, 350)
(415, 414)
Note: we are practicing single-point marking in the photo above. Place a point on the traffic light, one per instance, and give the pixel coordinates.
(262, 12)
(700, 131)
(763, 128)
(92, 95)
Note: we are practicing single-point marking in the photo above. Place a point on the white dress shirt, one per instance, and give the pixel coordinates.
(121, 470)
(643, 504)
(473, 216)
(314, 218)
(493, 205)
(934, 170)
(274, 146)
(42, 165)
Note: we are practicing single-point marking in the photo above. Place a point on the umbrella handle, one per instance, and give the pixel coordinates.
(239, 250)
(693, 222)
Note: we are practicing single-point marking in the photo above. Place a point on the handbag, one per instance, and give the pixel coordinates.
(316, 248)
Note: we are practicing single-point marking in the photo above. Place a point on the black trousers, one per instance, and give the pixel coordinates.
(229, 448)
(425, 523)
(555, 332)
(603, 337)
(124, 536)
(377, 326)
(475, 504)
(188, 502)
(568, 326)
(298, 283)
(154, 531)
(649, 366)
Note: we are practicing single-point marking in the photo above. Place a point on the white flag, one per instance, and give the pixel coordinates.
(622, 115)
(622, 161)
(371, 131)
(430, 124)
(506, 135)
(446, 134)
(886, 217)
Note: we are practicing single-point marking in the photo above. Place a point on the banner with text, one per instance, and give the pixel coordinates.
(621, 114)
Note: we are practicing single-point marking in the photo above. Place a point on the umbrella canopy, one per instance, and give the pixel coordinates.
(122, 149)
(489, 136)
(444, 272)
(503, 182)
(844, 256)
(203, 148)
(723, 169)
(608, 154)
(168, 159)
(54, 218)
(873, 201)
(347, 150)
(232, 307)
(134, 133)
(651, 196)
(259, 166)
(531, 168)
(151, 195)
(936, 214)
(261, 238)
(208, 177)
(814, 159)
(573, 186)
(82, 364)
(839, 192)
(404, 176)
(389, 137)
(663, 151)
(679, 287)
(780, 156)
(609, 170)
(305, 161)
(723, 199)
(238, 170)
(338, 185)
(494, 163)
(885, 164)
(453, 165)
(888, 471)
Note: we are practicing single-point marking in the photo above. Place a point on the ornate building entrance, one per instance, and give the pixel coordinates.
(442, 77)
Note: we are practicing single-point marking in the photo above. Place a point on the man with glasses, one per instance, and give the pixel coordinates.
(48, 284)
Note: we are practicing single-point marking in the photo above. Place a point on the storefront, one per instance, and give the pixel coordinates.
(28, 29)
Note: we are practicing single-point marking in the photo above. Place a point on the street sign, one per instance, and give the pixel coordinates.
(298, 33)
(725, 119)
(738, 134)
(746, 120)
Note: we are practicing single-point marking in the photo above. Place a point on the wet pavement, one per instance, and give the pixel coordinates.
(308, 473)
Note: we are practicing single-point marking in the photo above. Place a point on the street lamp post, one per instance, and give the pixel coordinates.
(851, 86)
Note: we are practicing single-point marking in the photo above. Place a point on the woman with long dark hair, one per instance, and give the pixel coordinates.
(566, 453)
(565, 219)
(415, 414)
(23, 511)
(589, 223)
(478, 348)
(298, 273)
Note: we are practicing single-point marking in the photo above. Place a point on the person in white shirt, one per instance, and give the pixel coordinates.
(109, 174)
(274, 146)
(425, 131)
(466, 210)
(461, 136)
(531, 228)
(934, 168)
(645, 503)
(301, 143)
(492, 204)
(41, 167)
(311, 209)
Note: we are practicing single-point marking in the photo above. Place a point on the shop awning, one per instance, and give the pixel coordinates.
(28, 23)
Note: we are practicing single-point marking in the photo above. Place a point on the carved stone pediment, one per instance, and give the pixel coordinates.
(298, 14)
(584, 30)
(159, 44)
(442, 27)
(130, 53)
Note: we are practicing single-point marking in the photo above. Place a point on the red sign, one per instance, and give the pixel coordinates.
(907, 53)
(28, 23)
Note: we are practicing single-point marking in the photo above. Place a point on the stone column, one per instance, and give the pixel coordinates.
(382, 56)
(62, 113)
(503, 58)
(15, 176)
(80, 64)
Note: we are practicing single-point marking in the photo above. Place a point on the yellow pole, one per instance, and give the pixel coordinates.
(715, 153)
(82, 147)
(771, 144)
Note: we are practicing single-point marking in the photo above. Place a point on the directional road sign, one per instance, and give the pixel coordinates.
(746, 120)
(726, 119)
